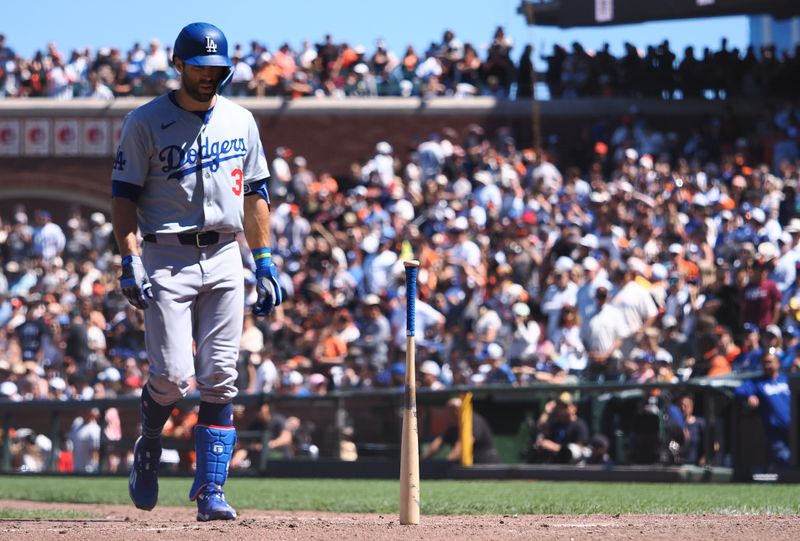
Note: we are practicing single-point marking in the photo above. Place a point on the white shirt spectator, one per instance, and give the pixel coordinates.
(48, 241)
(266, 376)
(636, 305)
(381, 271)
(427, 317)
(604, 329)
(555, 299)
(524, 341)
(85, 438)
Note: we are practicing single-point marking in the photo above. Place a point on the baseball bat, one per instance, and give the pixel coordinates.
(409, 447)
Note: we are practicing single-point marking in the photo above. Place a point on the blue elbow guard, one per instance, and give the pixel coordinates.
(259, 188)
(214, 447)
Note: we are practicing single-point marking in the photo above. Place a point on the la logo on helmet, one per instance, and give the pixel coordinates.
(211, 45)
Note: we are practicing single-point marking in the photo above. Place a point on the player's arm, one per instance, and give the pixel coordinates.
(256, 222)
(283, 439)
(433, 448)
(123, 216)
(257, 233)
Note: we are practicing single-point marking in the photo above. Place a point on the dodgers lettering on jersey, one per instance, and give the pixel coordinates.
(193, 174)
(179, 162)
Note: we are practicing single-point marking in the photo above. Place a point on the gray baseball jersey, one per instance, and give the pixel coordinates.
(194, 171)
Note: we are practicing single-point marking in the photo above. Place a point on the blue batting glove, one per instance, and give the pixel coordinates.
(267, 284)
(134, 282)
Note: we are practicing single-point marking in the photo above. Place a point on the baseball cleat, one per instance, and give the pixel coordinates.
(211, 504)
(143, 480)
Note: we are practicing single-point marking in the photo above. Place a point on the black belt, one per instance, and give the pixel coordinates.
(201, 240)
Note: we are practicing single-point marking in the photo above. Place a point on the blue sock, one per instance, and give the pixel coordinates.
(154, 416)
(215, 414)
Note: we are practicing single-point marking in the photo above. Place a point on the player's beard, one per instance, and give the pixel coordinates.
(196, 91)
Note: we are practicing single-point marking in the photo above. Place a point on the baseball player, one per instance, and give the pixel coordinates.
(190, 172)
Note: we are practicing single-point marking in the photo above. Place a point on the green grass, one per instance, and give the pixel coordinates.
(438, 497)
(43, 514)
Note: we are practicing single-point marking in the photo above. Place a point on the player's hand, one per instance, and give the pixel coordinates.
(268, 287)
(134, 282)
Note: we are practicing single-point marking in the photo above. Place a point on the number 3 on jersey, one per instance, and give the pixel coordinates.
(238, 176)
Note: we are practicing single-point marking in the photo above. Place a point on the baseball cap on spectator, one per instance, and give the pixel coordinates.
(750, 327)
(383, 147)
(494, 351)
(793, 227)
(109, 374)
(370, 244)
(521, 309)
(599, 197)
(58, 383)
(8, 388)
(726, 215)
(675, 248)
(316, 379)
(631, 154)
(767, 251)
(133, 381)
(700, 200)
(294, 378)
(636, 265)
(565, 398)
(663, 356)
(98, 218)
(590, 264)
(372, 300)
(430, 367)
(483, 177)
(564, 264)
(600, 285)
(590, 241)
(758, 215)
(398, 369)
(774, 330)
(669, 321)
(658, 272)
(460, 224)
(600, 148)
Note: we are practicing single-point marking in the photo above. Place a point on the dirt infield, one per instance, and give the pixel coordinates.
(124, 523)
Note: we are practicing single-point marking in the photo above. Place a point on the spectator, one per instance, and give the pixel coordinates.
(483, 448)
(687, 433)
(375, 333)
(769, 394)
(604, 337)
(85, 438)
(561, 436)
(277, 435)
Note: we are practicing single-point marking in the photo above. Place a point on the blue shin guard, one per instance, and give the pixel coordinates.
(214, 446)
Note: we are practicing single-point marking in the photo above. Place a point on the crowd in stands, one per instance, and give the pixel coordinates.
(527, 273)
(667, 257)
(447, 67)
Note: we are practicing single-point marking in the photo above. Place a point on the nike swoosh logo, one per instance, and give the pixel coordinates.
(165, 125)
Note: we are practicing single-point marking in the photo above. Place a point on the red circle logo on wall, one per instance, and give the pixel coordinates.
(66, 135)
(36, 135)
(6, 136)
(95, 135)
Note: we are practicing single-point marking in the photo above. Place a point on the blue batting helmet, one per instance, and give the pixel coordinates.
(202, 44)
